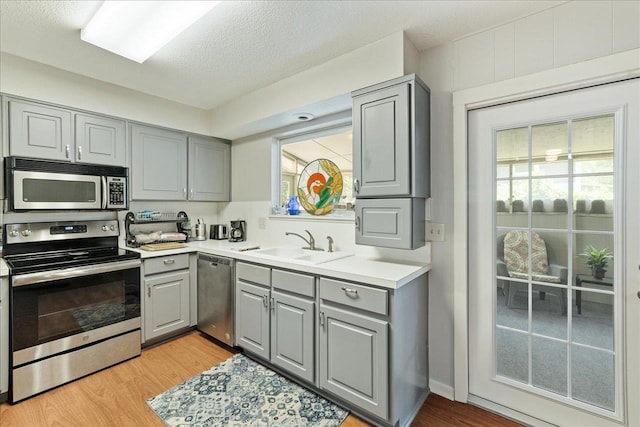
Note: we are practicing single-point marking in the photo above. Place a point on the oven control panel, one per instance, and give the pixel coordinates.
(45, 231)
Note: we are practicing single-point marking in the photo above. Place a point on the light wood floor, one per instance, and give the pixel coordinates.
(116, 396)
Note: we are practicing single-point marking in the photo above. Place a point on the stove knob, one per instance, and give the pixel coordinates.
(105, 228)
(13, 233)
(112, 227)
(26, 233)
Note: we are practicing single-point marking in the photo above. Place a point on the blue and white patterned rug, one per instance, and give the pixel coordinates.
(241, 392)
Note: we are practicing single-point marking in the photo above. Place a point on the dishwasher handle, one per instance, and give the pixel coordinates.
(215, 261)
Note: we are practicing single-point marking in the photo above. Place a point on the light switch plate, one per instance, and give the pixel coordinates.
(435, 232)
(262, 223)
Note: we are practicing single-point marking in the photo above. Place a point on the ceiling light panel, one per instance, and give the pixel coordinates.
(138, 29)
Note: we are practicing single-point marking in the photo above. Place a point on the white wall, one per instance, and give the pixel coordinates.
(29, 79)
(567, 34)
(325, 87)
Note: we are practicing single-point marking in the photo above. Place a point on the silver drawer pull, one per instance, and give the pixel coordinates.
(169, 261)
(350, 290)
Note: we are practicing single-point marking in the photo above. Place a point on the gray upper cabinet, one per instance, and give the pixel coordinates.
(100, 140)
(391, 139)
(209, 169)
(39, 131)
(159, 164)
(42, 131)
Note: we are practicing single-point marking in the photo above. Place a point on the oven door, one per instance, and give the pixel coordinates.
(51, 190)
(56, 311)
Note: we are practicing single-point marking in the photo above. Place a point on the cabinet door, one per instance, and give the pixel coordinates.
(252, 318)
(158, 164)
(292, 334)
(390, 223)
(166, 303)
(100, 140)
(4, 335)
(354, 358)
(381, 143)
(209, 169)
(39, 131)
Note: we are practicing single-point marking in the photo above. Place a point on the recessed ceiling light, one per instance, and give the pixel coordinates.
(304, 117)
(138, 29)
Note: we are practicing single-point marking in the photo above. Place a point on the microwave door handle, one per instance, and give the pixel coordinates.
(104, 191)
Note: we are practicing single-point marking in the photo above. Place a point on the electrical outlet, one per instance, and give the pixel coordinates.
(262, 223)
(435, 232)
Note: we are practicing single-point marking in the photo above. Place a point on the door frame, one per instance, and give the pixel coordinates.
(602, 70)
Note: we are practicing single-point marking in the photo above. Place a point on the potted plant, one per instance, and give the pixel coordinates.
(597, 259)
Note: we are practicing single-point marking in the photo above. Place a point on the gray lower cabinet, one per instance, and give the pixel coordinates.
(390, 223)
(275, 312)
(353, 358)
(100, 140)
(4, 335)
(39, 131)
(209, 169)
(167, 295)
(252, 318)
(158, 164)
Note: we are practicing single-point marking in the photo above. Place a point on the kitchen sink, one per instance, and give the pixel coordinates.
(299, 255)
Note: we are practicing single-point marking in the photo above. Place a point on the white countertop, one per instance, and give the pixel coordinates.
(390, 274)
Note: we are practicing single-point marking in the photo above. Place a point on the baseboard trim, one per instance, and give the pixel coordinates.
(441, 389)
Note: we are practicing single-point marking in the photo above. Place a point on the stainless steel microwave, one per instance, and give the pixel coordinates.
(33, 184)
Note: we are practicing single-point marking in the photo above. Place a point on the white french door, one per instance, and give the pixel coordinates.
(551, 178)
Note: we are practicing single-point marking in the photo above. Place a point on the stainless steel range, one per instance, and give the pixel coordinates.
(75, 302)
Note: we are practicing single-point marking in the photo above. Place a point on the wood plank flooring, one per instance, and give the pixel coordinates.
(116, 396)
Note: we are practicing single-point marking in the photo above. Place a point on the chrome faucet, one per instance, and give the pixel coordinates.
(330, 239)
(311, 242)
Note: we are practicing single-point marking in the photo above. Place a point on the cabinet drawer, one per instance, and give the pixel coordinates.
(253, 273)
(294, 282)
(166, 263)
(352, 295)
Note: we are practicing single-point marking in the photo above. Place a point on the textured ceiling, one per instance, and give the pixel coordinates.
(242, 46)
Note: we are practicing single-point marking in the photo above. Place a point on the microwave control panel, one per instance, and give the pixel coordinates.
(116, 192)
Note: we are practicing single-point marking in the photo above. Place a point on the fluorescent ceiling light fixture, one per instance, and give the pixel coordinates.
(138, 29)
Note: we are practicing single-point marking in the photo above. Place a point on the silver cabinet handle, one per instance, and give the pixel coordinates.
(169, 261)
(356, 185)
(358, 223)
(322, 320)
(191, 194)
(184, 191)
(638, 294)
(350, 290)
(149, 291)
(66, 150)
(79, 152)
(273, 305)
(265, 301)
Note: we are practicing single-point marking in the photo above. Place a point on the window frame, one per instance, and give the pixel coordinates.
(302, 134)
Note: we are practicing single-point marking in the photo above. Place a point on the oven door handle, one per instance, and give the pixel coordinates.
(48, 276)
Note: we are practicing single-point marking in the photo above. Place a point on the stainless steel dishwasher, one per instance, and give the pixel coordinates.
(215, 296)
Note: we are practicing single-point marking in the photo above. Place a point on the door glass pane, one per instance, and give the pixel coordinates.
(555, 200)
(549, 364)
(592, 144)
(549, 305)
(549, 207)
(549, 148)
(512, 358)
(592, 376)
